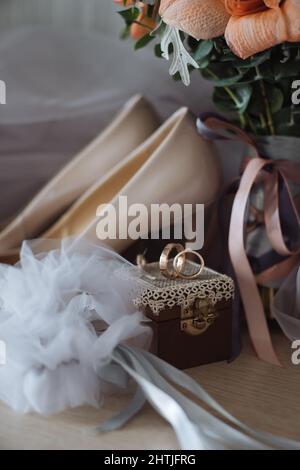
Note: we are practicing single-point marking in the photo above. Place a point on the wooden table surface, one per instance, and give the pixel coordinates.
(261, 395)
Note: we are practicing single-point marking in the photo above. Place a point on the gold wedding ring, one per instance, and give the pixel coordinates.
(165, 259)
(179, 263)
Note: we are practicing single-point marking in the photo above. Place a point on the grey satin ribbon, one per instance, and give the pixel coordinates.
(195, 427)
(126, 415)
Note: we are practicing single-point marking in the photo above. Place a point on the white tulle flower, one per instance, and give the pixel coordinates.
(48, 304)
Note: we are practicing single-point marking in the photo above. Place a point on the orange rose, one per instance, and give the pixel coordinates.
(250, 26)
(144, 24)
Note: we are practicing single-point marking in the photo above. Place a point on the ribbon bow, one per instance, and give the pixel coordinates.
(273, 174)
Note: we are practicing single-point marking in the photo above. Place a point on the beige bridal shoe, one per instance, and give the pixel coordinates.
(174, 165)
(135, 123)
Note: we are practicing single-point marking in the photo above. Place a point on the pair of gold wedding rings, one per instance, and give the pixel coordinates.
(179, 262)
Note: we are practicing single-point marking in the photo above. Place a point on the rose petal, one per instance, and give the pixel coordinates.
(164, 4)
(247, 35)
(244, 7)
(272, 3)
(201, 19)
(291, 11)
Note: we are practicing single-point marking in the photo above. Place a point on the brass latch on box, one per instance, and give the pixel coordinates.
(197, 318)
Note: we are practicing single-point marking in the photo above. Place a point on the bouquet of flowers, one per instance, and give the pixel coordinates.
(249, 49)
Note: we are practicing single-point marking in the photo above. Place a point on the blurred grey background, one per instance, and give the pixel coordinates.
(67, 72)
(26, 23)
(73, 14)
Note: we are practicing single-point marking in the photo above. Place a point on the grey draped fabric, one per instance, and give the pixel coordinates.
(79, 14)
(62, 88)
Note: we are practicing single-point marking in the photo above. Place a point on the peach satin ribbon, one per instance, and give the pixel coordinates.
(271, 171)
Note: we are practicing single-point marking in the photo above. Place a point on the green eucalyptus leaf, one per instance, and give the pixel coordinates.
(253, 61)
(143, 41)
(204, 63)
(224, 82)
(244, 94)
(275, 98)
(129, 15)
(157, 51)
(203, 50)
(224, 101)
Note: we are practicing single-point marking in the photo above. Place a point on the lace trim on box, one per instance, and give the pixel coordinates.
(165, 293)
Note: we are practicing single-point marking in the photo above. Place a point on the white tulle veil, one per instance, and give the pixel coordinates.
(50, 302)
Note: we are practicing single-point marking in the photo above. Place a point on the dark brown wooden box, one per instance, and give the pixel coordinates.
(191, 320)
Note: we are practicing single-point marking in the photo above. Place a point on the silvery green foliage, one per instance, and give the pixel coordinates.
(181, 59)
(257, 92)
